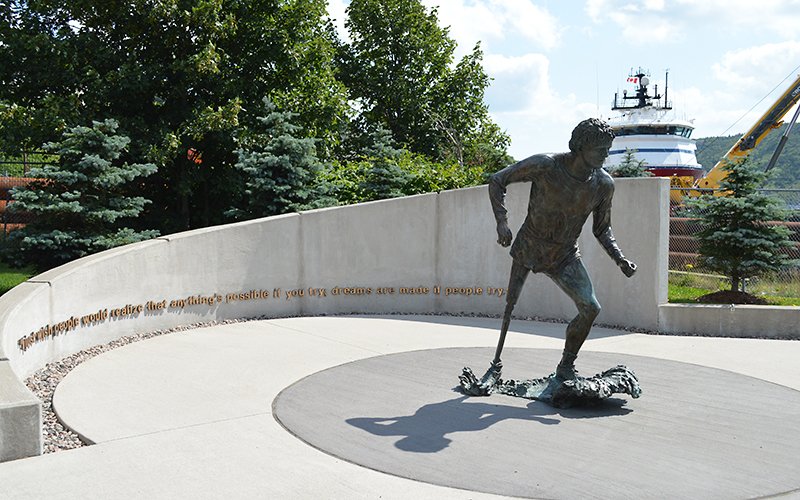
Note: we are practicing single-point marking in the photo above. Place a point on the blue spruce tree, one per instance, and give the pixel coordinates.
(280, 167)
(80, 205)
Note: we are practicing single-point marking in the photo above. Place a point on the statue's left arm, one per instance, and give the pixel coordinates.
(601, 228)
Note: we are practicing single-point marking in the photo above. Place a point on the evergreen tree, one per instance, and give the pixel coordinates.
(738, 238)
(279, 166)
(630, 166)
(381, 176)
(81, 204)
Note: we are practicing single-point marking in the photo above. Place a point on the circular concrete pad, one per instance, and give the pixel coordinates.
(695, 432)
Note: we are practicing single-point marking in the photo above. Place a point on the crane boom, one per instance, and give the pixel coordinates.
(768, 122)
(782, 142)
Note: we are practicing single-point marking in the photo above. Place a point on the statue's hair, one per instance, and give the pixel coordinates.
(590, 131)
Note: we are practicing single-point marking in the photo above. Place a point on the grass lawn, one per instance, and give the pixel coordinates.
(689, 294)
(11, 277)
(684, 294)
(783, 301)
(687, 286)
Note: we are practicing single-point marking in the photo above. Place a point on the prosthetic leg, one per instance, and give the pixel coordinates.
(563, 388)
(485, 386)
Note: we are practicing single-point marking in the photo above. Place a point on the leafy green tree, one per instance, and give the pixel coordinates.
(279, 167)
(376, 169)
(630, 166)
(37, 94)
(82, 204)
(738, 238)
(404, 174)
(488, 150)
(398, 68)
(183, 78)
(176, 74)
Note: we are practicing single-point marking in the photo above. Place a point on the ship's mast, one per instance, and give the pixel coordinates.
(642, 98)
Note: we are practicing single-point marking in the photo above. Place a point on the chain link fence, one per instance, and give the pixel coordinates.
(20, 164)
(686, 269)
(15, 170)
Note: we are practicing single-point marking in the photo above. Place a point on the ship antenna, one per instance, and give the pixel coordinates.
(666, 89)
(597, 87)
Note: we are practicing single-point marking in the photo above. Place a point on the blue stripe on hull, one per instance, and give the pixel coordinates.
(672, 167)
(652, 150)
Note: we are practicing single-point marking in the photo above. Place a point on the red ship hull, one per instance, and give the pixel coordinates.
(695, 173)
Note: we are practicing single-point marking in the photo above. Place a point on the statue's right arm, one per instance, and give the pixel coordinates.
(521, 171)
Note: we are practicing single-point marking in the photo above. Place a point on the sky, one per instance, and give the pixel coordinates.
(557, 62)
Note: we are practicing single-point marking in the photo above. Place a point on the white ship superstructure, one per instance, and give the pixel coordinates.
(650, 129)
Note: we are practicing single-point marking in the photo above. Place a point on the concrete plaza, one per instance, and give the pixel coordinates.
(190, 414)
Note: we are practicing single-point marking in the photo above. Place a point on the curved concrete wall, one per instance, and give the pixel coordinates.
(428, 253)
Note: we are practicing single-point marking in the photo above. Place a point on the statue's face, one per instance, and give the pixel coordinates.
(595, 154)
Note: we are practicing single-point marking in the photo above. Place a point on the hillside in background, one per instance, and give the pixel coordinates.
(786, 173)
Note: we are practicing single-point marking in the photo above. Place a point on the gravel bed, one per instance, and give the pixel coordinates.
(43, 382)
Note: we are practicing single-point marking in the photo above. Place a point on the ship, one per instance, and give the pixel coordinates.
(646, 127)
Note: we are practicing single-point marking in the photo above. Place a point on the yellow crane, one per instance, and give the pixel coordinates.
(768, 122)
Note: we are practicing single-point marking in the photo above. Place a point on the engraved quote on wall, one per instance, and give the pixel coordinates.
(212, 300)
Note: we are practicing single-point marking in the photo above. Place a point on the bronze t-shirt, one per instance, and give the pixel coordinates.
(557, 210)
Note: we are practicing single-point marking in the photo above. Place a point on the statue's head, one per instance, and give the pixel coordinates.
(590, 132)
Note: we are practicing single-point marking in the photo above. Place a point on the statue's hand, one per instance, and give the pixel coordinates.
(628, 267)
(503, 234)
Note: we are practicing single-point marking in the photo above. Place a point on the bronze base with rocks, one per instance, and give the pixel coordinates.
(554, 390)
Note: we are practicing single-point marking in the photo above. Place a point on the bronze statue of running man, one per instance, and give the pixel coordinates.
(565, 189)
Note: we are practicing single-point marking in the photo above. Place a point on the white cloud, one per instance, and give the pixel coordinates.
(664, 20)
(533, 132)
(632, 16)
(469, 23)
(759, 67)
(595, 9)
(715, 112)
(654, 4)
(658, 29)
(779, 17)
(488, 20)
(526, 106)
(749, 82)
(734, 81)
(530, 21)
(498, 63)
(520, 82)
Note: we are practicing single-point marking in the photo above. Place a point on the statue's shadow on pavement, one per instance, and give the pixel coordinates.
(427, 429)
